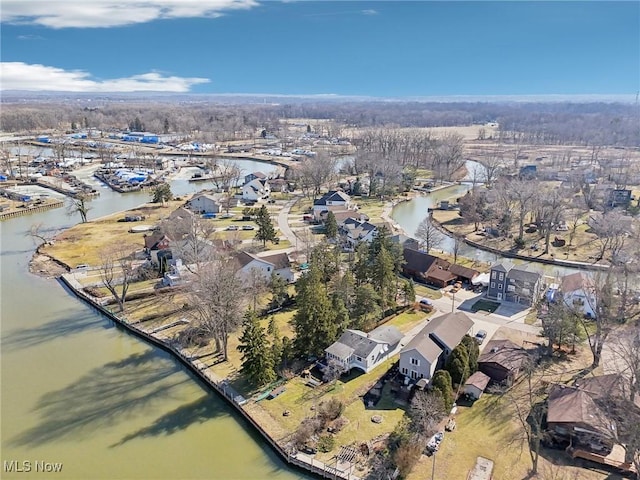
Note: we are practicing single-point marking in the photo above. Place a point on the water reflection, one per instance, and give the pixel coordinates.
(102, 397)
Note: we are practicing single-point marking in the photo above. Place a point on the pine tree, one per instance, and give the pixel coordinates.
(331, 226)
(458, 364)
(314, 321)
(442, 381)
(409, 291)
(473, 350)
(279, 291)
(162, 193)
(257, 362)
(383, 277)
(265, 226)
(276, 342)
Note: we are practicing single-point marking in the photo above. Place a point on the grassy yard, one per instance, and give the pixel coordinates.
(485, 306)
(407, 320)
(425, 291)
(372, 207)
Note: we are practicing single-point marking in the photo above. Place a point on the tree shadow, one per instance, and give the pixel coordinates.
(77, 321)
(103, 397)
(199, 411)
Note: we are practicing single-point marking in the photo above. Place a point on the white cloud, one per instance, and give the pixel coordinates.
(33, 77)
(111, 13)
(369, 12)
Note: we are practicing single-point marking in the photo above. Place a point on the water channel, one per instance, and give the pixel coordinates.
(79, 391)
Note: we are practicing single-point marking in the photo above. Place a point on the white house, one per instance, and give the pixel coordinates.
(356, 231)
(205, 203)
(428, 350)
(356, 349)
(266, 266)
(256, 189)
(578, 291)
(333, 198)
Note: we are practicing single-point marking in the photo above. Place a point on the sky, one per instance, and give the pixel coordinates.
(359, 48)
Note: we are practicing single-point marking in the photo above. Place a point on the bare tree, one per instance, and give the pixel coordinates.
(40, 233)
(117, 273)
(216, 297)
(612, 229)
(426, 412)
(551, 211)
(428, 234)
(80, 205)
(318, 170)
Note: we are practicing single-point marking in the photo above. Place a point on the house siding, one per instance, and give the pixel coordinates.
(424, 370)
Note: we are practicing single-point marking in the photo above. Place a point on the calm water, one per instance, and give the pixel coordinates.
(79, 391)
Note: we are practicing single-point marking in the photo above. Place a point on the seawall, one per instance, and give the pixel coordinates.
(220, 386)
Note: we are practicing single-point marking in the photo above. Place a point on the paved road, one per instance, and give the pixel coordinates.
(283, 221)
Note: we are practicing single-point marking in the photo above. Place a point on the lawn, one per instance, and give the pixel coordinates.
(372, 207)
(428, 292)
(485, 306)
(407, 320)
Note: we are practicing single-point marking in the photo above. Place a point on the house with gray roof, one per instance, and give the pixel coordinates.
(364, 351)
(516, 284)
(429, 349)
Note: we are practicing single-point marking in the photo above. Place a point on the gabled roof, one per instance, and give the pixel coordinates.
(180, 213)
(502, 267)
(447, 329)
(245, 258)
(450, 328)
(332, 196)
(576, 281)
(601, 386)
(208, 196)
(440, 274)
(521, 274)
(478, 380)
(150, 241)
(504, 353)
(361, 344)
(258, 175)
(386, 334)
(278, 260)
(570, 405)
(464, 272)
(421, 262)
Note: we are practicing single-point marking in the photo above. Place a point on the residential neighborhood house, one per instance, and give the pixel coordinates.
(278, 264)
(364, 351)
(255, 189)
(205, 203)
(578, 292)
(475, 385)
(333, 199)
(514, 284)
(429, 349)
(502, 361)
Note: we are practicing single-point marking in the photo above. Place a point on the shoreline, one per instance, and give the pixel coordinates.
(219, 385)
(386, 215)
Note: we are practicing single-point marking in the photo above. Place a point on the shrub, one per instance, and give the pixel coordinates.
(331, 410)
(326, 443)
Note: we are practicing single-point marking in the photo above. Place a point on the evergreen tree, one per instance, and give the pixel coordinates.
(257, 362)
(458, 364)
(409, 291)
(265, 226)
(473, 350)
(287, 351)
(366, 309)
(331, 226)
(279, 291)
(162, 193)
(361, 270)
(166, 126)
(314, 321)
(383, 277)
(276, 342)
(442, 381)
(342, 319)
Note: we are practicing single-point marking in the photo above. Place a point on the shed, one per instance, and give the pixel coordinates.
(475, 385)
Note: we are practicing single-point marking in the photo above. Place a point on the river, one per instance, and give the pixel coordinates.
(79, 391)
(408, 216)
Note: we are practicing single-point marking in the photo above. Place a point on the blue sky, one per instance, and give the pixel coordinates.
(385, 49)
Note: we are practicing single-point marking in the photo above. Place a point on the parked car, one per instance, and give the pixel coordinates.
(248, 227)
(480, 336)
(232, 227)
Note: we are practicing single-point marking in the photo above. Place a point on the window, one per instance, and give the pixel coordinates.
(358, 358)
(414, 374)
(501, 276)
(268, 269)
(511, 288)
(404, 371)
(373, 357)
(415, 361)
(500, 285)
(493, 284)
(493, 275)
